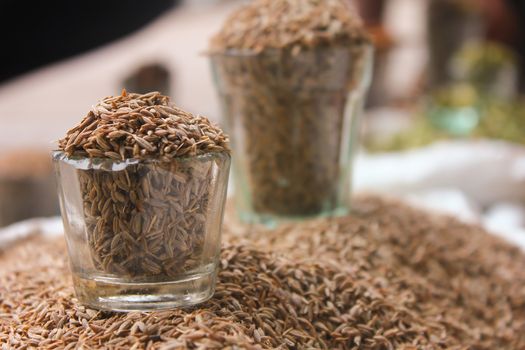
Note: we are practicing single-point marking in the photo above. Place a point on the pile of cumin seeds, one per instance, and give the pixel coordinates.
(290, 75)
(142, 126)
(261, 301)
(455, 276)
(290, 24)
(148, 219)
(344, 284)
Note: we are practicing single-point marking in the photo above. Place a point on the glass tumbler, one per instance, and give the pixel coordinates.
(293, 120)
(143, 234)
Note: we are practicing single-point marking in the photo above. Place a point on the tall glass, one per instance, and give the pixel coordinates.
(293, 118)
(143, 235)
(450, 25)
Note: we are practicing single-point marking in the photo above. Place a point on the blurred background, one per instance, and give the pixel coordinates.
(444, 126)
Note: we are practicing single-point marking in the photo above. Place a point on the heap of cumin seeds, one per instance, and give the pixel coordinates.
(142, 126)
(387, 277)
(262, 301)
(149, 219)
(290, 24)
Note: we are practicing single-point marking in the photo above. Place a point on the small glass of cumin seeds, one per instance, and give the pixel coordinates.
(143, 234)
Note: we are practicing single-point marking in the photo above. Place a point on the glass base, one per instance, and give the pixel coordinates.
(272, 221)
(114, 295)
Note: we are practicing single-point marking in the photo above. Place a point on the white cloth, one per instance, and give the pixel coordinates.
(480, 182)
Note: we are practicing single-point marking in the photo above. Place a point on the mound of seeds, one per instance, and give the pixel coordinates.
(298, 24)
(149, 218)
(388, 277)
(292, 101)
(142, 126)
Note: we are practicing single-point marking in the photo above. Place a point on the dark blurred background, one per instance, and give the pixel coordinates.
(37, 33)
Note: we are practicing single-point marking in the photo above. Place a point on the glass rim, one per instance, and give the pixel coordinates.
(59, 155)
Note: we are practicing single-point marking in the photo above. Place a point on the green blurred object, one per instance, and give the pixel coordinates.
(422, 133)
(455, 96)
(458, 121)
(498, 120)
(504, 121)
(455, 109)
(491, 68)
(480, 104)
